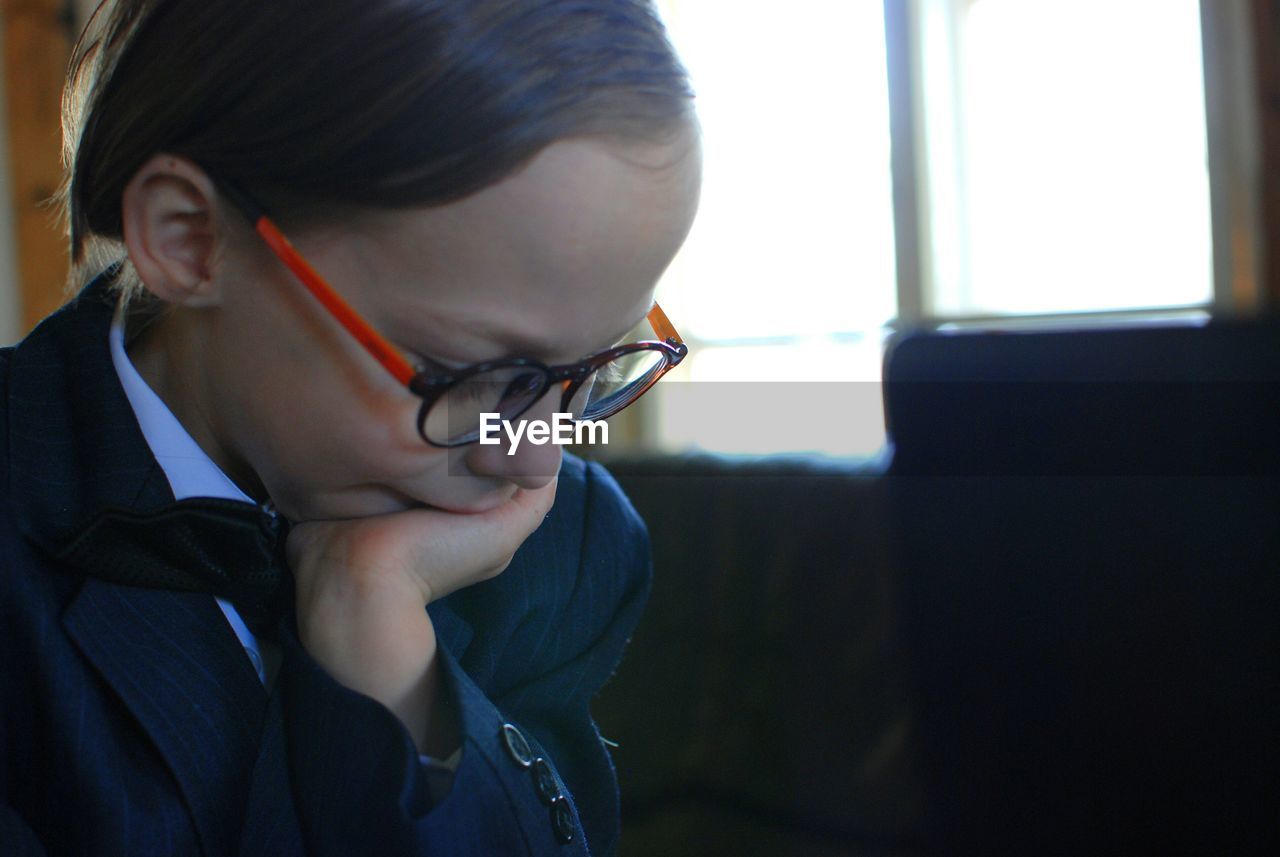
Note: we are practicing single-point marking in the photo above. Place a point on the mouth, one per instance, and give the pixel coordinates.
(452, 511)
(474, 509)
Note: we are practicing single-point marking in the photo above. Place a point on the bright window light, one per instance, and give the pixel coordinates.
(1079, 157)
(793, 248)
(795, 232)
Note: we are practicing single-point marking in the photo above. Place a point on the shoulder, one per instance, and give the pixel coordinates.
(4, 421)
(589, 498)
(593, 536)
(29, 593)
(6, 355)
(9, 535)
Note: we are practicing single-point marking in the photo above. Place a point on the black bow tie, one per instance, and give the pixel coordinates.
(227, 548)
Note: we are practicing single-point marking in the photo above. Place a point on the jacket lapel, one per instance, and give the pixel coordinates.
(171, 657)
(182, 674)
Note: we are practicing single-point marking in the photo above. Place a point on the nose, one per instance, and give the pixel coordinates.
(529, 466)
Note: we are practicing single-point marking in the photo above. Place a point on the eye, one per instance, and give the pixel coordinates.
(522, 385)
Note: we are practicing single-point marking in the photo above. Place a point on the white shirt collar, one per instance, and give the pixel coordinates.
(190, 471)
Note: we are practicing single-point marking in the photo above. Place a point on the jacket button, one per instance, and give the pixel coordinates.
(562, 820)
(517, 745)
(545, 780)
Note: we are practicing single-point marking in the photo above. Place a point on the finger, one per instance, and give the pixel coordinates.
(483, 542)
(441, 551)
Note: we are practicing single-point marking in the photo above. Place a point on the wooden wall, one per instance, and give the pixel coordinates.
(36, 50)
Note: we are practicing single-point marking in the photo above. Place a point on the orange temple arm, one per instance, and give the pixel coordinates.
(384, 352)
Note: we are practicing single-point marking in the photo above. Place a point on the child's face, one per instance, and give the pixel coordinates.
(555, 262)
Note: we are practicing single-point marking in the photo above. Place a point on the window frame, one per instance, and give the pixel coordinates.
(1235, 170)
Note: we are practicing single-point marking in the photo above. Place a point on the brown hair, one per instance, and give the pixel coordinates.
(312, 107)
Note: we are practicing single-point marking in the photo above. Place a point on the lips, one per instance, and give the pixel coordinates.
(474, 509)
(457, 511)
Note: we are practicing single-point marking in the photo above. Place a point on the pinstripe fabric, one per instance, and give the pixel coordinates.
(131, 723)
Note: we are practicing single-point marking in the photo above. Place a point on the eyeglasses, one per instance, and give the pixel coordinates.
(455, 400)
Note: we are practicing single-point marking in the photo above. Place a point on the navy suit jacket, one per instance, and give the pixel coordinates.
(132, 723)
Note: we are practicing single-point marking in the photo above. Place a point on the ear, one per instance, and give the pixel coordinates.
(171, 230)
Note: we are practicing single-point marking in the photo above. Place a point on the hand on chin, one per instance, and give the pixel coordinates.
(424, 551)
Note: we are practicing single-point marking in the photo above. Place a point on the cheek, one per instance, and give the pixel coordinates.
(326, 437)
(319, 417)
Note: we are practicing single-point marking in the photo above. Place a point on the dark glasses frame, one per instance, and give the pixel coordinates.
(432, 387)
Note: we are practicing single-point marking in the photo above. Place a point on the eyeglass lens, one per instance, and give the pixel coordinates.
(509, 391)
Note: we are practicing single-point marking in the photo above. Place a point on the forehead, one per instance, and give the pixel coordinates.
(566, 251)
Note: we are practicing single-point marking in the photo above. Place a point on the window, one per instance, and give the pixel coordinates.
(1066, 155)
(1048, 158)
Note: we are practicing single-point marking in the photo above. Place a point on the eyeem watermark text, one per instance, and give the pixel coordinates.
(562, 429)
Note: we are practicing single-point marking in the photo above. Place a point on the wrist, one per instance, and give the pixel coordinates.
(375, 637)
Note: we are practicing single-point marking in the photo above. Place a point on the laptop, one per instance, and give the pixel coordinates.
(1087, 530)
